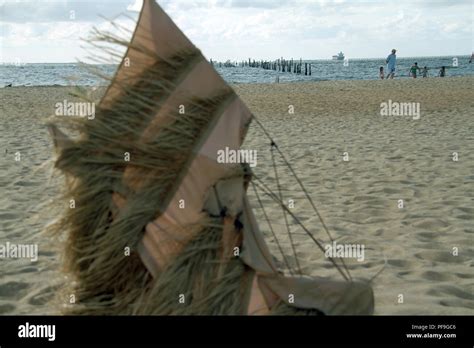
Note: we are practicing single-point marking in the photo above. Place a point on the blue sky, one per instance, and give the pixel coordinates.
(47, 30)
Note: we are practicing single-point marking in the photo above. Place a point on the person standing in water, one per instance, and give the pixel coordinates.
(381, 73)
(391, 62)
(442, 72)
(414, 68)
(424, 72)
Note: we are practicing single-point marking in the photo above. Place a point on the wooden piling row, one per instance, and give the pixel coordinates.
(281, 65)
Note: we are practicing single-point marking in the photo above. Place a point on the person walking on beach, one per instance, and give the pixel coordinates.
(391, 61)
(381, 73)
(413, 70)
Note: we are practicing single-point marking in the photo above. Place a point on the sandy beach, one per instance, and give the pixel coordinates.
(355, 163)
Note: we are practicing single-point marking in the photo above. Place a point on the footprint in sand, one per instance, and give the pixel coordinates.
(399, 263)
(436, 276)
(465, 217)
(466, 210)
(9, 216)
(390, 191)
(379, 232)
(441, 256)
(366, 198)
(404, 273)
(24, 183)
(15, 290)
(430, 224)
(6, 308)
(426, 236)
(457, 303)
(452, 291)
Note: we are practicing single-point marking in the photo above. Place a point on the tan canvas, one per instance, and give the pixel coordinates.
(201, 189)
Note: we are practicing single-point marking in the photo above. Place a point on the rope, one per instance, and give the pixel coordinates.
(284, 212)
(271, 228)
(268, 192)
(302, 188)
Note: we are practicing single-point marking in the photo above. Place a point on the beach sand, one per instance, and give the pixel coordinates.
(390, 158)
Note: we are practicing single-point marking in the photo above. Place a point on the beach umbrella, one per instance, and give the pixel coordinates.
(160, 225)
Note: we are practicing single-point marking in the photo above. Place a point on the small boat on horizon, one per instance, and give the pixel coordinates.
(339, 56)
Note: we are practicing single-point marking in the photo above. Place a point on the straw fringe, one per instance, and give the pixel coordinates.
(209, 285)
(96, 233)
(102, 278)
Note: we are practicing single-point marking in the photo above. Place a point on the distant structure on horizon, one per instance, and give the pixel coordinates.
(339, 56)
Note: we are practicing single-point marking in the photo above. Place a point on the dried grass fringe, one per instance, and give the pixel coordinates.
(103, 280)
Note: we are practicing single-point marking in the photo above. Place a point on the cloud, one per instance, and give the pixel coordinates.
(136, 6)
(261, 29)
(33, 11)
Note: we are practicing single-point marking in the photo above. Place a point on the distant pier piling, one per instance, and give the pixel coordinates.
(283, 65)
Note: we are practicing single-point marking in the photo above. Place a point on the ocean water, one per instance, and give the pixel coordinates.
(360, 69)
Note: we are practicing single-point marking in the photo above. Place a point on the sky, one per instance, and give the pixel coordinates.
(44, 31)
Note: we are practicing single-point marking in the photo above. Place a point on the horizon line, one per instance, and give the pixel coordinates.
(240, 60)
